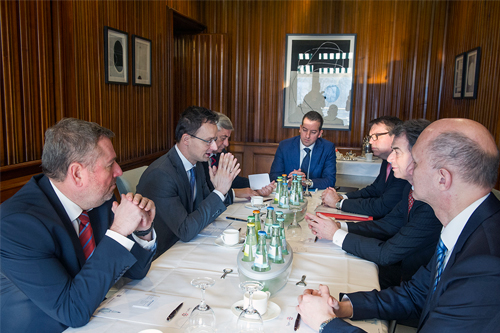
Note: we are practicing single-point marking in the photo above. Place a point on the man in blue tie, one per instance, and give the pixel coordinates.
(455, 168)
(176, 181)
(64, 240)
(307, 155)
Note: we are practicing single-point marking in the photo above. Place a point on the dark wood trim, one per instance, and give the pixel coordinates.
(184, 25)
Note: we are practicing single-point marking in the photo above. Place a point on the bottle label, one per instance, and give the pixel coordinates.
(259, 261)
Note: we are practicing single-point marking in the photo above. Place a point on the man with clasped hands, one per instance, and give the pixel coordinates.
(456, 165)
(64, 240)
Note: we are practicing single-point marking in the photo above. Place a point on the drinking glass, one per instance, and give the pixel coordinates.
(202, 318)
(250, 319)
(294, 230)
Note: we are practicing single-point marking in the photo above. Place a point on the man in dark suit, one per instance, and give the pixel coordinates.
(241, 185)
(307, 155)
(455, 167)
(404, 239)
(176, 181)
(379, 198)
(64, 242)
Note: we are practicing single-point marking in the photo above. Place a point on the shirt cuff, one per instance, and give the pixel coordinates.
(219, 193)
(146, 245)
(346, 298)
(343, 226)
(124, 241)
(344, 196)
(341, 202)
(338, 237)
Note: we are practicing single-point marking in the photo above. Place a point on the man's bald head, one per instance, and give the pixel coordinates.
(464, 146)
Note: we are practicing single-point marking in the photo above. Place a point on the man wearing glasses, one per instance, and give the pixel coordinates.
(176, 181)
(379, 198)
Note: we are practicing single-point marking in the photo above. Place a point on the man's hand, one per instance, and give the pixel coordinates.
(246, 192)
(267, 190)
(322, 226)
(298, 173)
(134, 212)
(330, 197)
(223, 176)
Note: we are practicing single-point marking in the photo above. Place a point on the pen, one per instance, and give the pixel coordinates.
(235, 218)
(315, 239)
(297, 322)
(173, 313)
(268, 200)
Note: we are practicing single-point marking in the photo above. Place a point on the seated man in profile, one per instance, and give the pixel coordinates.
(176, 181)
(307, 155)
(64, 240)
(381, 197)
(458, 290)
(404, 239)
(241, 185)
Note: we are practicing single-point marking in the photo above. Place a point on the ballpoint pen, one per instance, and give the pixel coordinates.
(235, 218)
(297, 323)
(268, 200)
(173, 313)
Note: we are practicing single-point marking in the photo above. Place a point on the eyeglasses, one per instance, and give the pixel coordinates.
(208, 142)
(374, 137)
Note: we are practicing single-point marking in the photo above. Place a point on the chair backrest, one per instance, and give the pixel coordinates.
(129, 180)
(496, 193)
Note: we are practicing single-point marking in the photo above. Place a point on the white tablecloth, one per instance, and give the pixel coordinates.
(168, 284)
(359, 168)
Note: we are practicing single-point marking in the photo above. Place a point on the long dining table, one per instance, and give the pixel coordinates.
(133, 306)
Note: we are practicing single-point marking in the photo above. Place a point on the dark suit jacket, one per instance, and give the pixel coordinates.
(46, 285)
(466, 298)
(377, 199)
(323, 167)
(399, 237)
(166, 182)
(238, 182)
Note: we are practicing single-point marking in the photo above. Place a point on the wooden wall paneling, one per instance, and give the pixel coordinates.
(254, 157)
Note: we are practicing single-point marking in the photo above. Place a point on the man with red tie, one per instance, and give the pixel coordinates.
(379, 198)
(405, 238)
(455, 168)
(64, 240)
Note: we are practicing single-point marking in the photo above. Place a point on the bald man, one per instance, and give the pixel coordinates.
(455, 168)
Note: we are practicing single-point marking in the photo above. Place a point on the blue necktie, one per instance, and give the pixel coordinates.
(305, 162)
(192, 182)
(440, 254)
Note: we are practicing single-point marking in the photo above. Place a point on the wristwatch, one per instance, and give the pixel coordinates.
(337, 205)
(142, 233)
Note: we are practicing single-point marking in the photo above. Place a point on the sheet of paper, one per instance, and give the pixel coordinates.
(258, 181)
(215, 228)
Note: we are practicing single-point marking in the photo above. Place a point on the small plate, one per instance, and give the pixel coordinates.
(249, 206)
(219, 242)
(273, 310)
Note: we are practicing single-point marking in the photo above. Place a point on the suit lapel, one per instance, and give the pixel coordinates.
(185, 187)
(316, 156)
(46, 187)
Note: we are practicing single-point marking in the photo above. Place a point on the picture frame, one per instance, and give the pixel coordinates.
(471, 80)
(319, 76)
(115, 56)
(459, 77)
(141, 61)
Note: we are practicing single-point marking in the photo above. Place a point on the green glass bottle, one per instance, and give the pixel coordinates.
(294, 193)
(250, 247)
(275, 248)
(301, 188)
(284, 197)
(261, 263)
(256, 215)
(284, 245)
(269, 221)
(279, 183)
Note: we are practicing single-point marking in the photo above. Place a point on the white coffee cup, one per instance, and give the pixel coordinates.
(230, 236)
(257, 200)
(369, 156)
(259, 301)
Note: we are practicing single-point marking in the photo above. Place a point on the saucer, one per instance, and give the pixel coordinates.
(249, 206)
(273, 310)
(219, 242)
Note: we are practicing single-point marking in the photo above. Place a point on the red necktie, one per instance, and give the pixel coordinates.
(212, 158)
(410, 200)
(388, 171)
(86, 235)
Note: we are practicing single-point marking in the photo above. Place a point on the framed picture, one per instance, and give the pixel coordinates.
(141, 60)
(319, 76)
(473, 60)
(458, 81)
(115, 56)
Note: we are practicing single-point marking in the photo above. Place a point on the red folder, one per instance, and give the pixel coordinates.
(347, 217)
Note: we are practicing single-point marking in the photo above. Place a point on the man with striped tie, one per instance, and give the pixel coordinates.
(64, 240)
(455, 169)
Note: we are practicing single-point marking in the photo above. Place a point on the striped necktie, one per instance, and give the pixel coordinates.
(86, 235)
(305, 162)
(440, 254)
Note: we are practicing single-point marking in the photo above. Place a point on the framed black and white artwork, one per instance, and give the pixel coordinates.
(115, 56)
(141, 60)
(472, 62)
